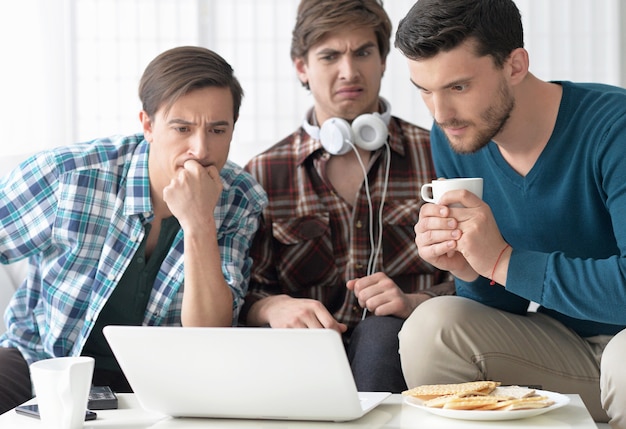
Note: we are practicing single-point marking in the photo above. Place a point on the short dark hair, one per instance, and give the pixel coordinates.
(178, 71)
(434, 26)
(318, 18)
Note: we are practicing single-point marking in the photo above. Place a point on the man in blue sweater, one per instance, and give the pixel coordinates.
(550, 228)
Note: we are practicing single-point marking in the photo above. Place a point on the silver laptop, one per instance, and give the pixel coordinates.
(245, 373)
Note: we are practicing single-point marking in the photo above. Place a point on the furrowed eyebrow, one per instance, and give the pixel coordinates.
(327, 51)
(365, 46)
(331, 51)
(185, 122)
(417, 86)
(446, 86)
(458, 82)
(179, 121)
(219, 124)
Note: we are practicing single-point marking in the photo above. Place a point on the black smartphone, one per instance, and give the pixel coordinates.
(33, 411)
(102, 398)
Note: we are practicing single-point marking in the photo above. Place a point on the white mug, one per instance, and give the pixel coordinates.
(439, 187)
(62, 390)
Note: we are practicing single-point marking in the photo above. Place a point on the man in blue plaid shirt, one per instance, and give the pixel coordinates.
(147, 229)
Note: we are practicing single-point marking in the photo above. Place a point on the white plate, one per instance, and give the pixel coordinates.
(559, 401)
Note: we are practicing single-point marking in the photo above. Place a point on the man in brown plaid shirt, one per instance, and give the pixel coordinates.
(320, 257)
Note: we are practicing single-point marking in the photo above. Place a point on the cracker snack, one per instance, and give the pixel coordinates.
(478, 395)
(430, 391)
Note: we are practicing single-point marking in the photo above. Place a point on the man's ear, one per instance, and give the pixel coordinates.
(146, 124)
(301, 70)
(518, 62)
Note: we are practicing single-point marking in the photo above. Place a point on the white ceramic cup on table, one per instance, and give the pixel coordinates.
(62, 390)
(433, 191)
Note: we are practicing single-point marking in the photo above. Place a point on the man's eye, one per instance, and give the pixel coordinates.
(218, 131)
(182, 129)
(459, 88)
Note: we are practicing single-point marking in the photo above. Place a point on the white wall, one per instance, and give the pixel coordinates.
(71, 67)
(33, 108)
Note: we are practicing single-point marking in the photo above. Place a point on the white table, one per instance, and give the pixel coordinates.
(390, 414)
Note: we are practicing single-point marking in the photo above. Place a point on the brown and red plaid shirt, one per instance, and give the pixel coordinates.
(310, 241)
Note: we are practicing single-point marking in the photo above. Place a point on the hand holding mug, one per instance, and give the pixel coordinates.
(437, 233)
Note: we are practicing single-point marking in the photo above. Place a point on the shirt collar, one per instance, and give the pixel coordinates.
(396, 136)
(137, 200)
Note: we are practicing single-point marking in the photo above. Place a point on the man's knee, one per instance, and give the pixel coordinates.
(423, 338)
(613, 379)
(378, 327)
(434, 316)
(614, 352)
(612, 361)
(373, 355)
(375, 336)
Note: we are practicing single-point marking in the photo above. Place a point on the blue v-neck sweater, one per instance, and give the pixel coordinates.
(565, 220)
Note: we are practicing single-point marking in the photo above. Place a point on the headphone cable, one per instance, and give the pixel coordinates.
(371, 265)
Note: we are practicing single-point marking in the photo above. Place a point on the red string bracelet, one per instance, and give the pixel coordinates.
(493, 282)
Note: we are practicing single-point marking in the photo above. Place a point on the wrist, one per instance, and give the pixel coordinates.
(260, 311)
(500, 266)
(467, 274)
(200, 230)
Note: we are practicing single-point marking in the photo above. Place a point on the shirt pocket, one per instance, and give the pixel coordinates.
(304, 253)
(400, 254)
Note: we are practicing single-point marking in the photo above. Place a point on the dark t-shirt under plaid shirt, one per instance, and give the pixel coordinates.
(311, 242)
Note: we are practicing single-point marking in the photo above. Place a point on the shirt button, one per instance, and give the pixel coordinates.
(358, 266)
(358, 224)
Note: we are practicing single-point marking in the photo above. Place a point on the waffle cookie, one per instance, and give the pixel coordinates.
(479, 395)
(430, 391)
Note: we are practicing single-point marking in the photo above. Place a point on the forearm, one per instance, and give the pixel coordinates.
(580, 288)
(207, 299)
(258, 313)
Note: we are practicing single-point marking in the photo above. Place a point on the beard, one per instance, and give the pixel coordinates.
(494, 119)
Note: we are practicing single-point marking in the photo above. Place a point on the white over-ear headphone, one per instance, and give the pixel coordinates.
(368, 131)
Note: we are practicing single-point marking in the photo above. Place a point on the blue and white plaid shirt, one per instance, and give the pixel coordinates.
(77, 213)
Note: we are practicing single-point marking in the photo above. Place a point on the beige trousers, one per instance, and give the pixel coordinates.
(450, 339)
